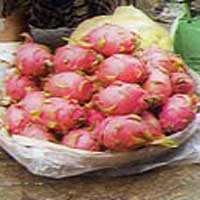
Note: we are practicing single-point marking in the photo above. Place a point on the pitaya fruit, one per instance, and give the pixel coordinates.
(155, 57)
(121, 67)
(18, 86)
(69, 85)
(33, 59)
(120, 98)
(153, 124)
(178, 112)
(182, 83)
(81, 139)
(94, 118)
(60, 114)
(16, 119)
(158, 86)
(74, 58)
(121, 133)
(33, 103)
(37, 132)
(110, 39)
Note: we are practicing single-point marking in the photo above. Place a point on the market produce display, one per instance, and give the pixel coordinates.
(105, 93)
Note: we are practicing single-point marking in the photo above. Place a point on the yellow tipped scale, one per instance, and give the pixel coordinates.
(98, 60)
(139, 141)
(27, 37)
(135, 117)
(109, 110)
(47, 94)
(88, 105)
(101, 42)
(48, 63)
(81, 86)
(52, 125)
(165, 142)
(35, 113)
(80, 43)
(110, 78)
(65, 61)
(62, 86)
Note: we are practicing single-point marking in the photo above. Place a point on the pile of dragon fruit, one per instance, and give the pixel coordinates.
(103, 94)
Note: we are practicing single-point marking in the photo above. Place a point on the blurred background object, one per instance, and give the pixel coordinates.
(49, 20)
(13, 15)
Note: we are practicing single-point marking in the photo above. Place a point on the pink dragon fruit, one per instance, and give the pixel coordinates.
(182, 83)
(121, 67)
(153, 124)
(158, 86)
(73, 58)
(16, 119)
(18, 86)
(33, 59)
(110, 39)
(159, 58)
(80, 139)
(121, 133)
(120, 98)
(37, 132)
(33, 103)
(94, 118)
(178, 112)
(69, 85)
(61, 114)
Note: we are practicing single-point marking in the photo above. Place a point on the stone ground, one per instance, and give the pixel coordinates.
(177, 183)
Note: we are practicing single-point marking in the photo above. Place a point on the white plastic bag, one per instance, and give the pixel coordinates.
(57, 161)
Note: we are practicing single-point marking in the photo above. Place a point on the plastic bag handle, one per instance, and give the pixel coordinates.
(186, 8)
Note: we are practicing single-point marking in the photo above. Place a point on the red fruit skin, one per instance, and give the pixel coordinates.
(73, 58)
(121, 98)
(33, 103)
(80, 139)
(178, 112)
(16, 119)
(37, 132)
(62, 115)
(18, 86)
(111, 39)
(69, 85)
(182, 83)
(155, 57)
(153, 123)
(121, 67)
(158, 86)
(94, 118)
(32, 59)
(122, 133)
